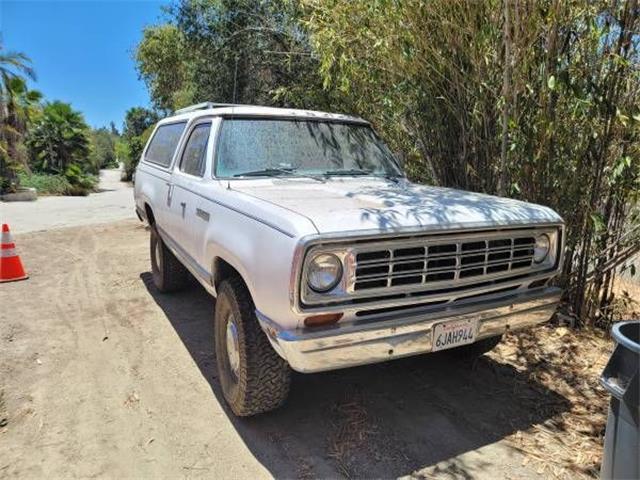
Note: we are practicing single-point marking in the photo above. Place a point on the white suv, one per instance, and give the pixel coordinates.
(322, 255)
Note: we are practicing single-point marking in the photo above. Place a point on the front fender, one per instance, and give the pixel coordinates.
(263, 258)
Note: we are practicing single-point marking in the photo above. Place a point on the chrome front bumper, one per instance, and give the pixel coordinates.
(359, 343)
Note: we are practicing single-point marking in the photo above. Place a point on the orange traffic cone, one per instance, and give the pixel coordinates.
(10, 263)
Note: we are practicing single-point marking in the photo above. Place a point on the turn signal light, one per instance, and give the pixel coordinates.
(322, 320)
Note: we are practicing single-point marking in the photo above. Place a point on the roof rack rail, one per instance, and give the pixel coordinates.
(205, 106)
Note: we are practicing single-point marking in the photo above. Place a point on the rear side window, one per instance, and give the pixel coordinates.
(193, 157)
(163, 144)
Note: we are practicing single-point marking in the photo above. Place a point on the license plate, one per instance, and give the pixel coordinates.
(454, 333)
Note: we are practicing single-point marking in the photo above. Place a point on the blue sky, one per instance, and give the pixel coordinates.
(82, 50)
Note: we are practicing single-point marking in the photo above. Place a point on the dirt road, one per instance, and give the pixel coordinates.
(103, 376)
(113, 201)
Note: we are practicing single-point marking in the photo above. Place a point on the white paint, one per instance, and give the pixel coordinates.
(369, 203)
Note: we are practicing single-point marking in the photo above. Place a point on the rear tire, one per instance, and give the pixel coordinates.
(169, 275)
(476, 349)
(254, 378)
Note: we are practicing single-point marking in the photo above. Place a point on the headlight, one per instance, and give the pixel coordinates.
(541, 249)
(324, 272)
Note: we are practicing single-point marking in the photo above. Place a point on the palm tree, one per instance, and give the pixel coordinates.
(59, 138)
(16, 105)
(21, 105)
(12, 64)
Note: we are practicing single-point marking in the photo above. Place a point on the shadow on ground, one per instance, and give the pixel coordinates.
(380, 421)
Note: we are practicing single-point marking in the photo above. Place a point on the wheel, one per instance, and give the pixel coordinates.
(169, 275)
(254, 378)
(476, 349)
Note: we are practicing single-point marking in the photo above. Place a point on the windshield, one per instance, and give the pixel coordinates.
(269, 147)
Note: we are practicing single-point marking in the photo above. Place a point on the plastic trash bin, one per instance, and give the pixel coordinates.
(621, 457)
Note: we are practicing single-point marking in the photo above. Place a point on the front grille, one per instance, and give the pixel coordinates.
(447, 261)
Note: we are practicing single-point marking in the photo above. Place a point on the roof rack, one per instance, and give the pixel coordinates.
(205, 106)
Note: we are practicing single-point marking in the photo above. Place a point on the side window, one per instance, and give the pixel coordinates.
(163, 144)
(193, 157)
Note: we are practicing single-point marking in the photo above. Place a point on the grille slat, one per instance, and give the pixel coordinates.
(398, 273)
(388, 261)
(442, 262)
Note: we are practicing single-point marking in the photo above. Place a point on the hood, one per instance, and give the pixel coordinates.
(376, 204)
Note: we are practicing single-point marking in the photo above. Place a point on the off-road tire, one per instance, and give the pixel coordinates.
(263, 379)
(169, 275)
(476, 349)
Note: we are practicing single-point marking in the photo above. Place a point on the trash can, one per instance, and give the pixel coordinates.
(621, 457)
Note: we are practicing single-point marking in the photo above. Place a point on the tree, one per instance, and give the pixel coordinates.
(138, 124)
(58, 139)
(21, 106)
(231, 51)
(15, 64)
(103, 151)
(122, 150)
(160, 58)
(15, 105)
(137, 120)
(113, 130)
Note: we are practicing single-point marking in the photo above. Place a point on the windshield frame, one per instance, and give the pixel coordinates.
(296, 118)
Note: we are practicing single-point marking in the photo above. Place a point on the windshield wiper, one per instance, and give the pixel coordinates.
(266, 172)
(348, 171)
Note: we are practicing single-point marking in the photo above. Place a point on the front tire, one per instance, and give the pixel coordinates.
(169, 275)
(254, 378)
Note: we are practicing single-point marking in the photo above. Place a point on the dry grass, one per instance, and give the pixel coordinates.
(627, 298)
(569, 363)
(351, 428)
(555, 377)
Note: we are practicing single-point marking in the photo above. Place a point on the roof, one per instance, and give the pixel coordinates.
(259, 111)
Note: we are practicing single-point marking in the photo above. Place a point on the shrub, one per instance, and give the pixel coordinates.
(45, 184)
(74, 182)
(81, 183)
